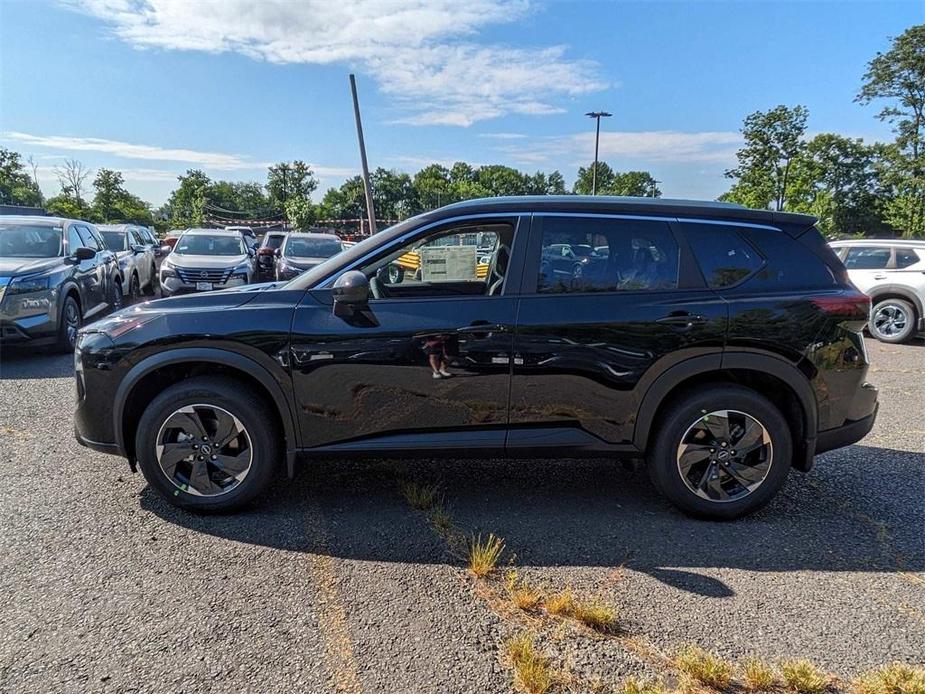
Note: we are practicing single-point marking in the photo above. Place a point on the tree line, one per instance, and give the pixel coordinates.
(853, 188)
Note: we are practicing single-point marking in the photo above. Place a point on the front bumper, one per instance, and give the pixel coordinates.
(174, 285)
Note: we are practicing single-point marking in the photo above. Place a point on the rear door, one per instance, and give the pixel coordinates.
(867, 266)
(588, 344)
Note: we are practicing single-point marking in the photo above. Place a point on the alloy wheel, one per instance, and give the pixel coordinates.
(117, 297)
(890, 320)
(71, 322)
(204, 450)
(725, 455)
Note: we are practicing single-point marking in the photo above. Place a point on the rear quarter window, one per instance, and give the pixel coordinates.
(724, 256)
(906, 257)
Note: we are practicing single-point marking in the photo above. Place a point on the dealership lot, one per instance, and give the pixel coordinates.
(333, 583)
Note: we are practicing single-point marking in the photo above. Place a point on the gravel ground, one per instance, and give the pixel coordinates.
(332, 583)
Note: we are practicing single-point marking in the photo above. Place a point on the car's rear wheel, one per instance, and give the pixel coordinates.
(118, 298)
(134, 288)
(71, 320)
(721, 452)
(207, 444)
(892, 321)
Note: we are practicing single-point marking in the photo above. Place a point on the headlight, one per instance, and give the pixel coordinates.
(27, 285)
(167, 269)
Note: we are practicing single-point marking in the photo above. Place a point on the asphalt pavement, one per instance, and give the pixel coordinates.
(333, 583)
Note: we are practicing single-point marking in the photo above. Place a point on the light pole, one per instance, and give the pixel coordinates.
(596, 115)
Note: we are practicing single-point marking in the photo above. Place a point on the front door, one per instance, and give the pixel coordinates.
(426, 364)
(588, 342)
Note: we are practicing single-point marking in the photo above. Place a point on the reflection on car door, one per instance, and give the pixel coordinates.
(585, 347)
(366, 381)
(94, 273)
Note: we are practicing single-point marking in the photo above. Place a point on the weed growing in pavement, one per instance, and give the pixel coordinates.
(758, 675)
(895, 678)
(524, 596)
(422, 497)
(560, 603)
(596, 615)
(804, 677)
(484, 554)
(704, 667)
(634, 685)
(532, 671)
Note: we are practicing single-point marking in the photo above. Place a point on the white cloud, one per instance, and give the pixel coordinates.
(503, 136)
(421, 52)
(654, 146)
(215, 160)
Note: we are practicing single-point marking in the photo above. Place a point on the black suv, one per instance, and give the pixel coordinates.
(721, 344)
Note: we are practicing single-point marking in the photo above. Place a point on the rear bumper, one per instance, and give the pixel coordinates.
(850, 432)
(100, 446)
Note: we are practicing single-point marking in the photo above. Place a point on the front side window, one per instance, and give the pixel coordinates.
(606, 255)
(30, 241)
(461, 261)
(90, 241)
(867, 258)
(208, 244)
(273, 241)
(725, 258)
(906, 257)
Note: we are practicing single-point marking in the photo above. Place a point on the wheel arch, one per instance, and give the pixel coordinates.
(156, 372)
(781, 382)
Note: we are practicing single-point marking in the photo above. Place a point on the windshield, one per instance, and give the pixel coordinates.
(115, 240)
(274, 241)
(207, 244)
(312, 248)
(30, 241)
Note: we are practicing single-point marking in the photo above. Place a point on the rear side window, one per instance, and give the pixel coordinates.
(723, 255)
(867, 258)
(906, 257)
(589, 254)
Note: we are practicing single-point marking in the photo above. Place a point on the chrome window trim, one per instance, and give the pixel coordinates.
(327, 281)
(729, 223)
(606, 215)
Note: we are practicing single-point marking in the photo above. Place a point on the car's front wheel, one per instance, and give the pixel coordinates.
(71, 320)
(207, 444)
(721, 452)
(892, 321)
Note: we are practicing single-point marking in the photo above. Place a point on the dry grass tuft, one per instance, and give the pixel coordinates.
(804, 677)
(705, 667)
(525, 596)
(532, 672)
(637, 686)
(758, 675)
(895, 678)
(595, 614)
(441, 521)
(422, 497)
(560, 603)
(484, 554)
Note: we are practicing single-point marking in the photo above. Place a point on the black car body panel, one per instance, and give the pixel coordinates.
(536, 371)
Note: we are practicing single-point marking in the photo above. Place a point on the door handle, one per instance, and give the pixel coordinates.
(685, 320)
(481, 328)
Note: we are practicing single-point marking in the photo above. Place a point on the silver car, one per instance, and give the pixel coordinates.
(136, 258)
(892, 273)
(207, 259)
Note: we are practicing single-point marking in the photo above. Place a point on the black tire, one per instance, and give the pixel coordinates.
(229, 395)
(152, 282)
(892, 321)
(117, 300)
(681, 417)
(67, 327)
(134, 288)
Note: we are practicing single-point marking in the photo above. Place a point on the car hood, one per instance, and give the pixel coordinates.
(302, 263)
(206, 261)
(26, 266)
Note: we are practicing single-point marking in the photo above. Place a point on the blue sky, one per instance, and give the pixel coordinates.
(153, 87)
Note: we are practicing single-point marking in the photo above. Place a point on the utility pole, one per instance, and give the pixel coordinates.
(370, 212)
(596, 115)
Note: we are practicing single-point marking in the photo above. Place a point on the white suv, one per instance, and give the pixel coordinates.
(892, 273)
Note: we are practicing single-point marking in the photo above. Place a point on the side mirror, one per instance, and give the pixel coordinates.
(138, 250)
(251, 252)
(277, 252)
(165, 249)
(84, 253)
(350, 292)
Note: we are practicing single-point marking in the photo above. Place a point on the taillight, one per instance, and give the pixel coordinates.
(853, 305)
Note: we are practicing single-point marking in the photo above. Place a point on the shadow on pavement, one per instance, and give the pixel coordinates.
(33, 363)
(859, 510)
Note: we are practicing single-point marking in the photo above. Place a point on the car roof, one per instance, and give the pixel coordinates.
(37, 220)
(115, 227)
(313, 235)
(211, 232)
(626, 205)
(904, 243)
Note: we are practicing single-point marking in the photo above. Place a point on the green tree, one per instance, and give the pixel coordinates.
(432, 188)
(605, 178)
(288, 180)
(187, 202)
(393, 194)
(300, 212)
(773, 142)
(638, 184)
(499, 180)
(109, 192)
(898, 77)
(346, 202)
(238, 196)
(16, 186)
